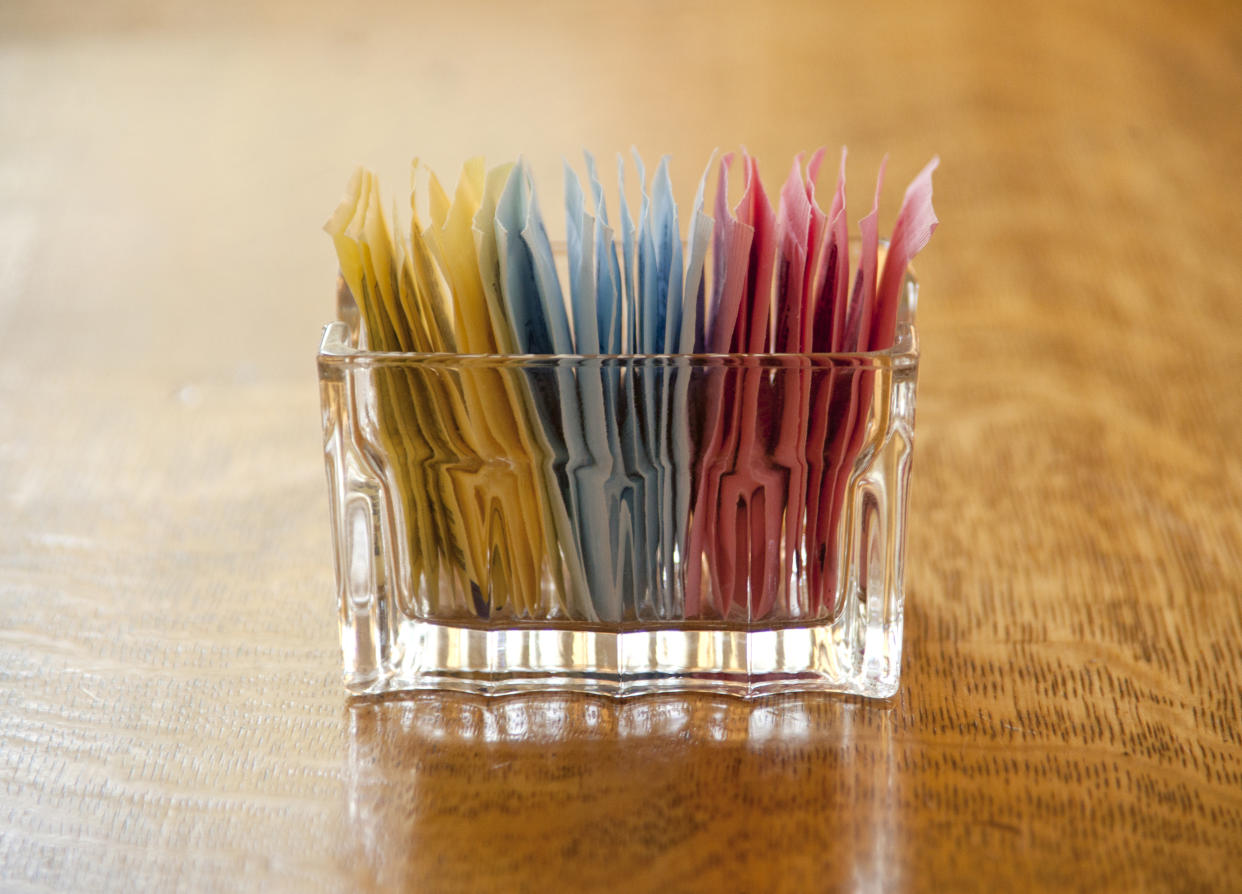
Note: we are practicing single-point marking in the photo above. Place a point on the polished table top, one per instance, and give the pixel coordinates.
(1071, 710)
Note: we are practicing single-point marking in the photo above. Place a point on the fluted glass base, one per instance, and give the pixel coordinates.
(635, 662)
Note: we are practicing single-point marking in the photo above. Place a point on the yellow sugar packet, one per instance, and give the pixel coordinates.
(515, 524)
(495, 510)
(372, 268)
(374, 334)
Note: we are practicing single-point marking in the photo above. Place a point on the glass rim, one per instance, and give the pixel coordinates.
(335, 349)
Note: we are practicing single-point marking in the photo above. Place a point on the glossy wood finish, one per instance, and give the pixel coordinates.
(1070, 712)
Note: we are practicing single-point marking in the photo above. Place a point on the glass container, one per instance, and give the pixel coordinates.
(619, 524)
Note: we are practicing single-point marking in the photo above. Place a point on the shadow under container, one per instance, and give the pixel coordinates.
(619, 524)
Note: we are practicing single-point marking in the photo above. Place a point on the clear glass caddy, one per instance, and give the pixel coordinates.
(619, 524)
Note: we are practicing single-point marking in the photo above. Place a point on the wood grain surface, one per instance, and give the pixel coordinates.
(171, 718)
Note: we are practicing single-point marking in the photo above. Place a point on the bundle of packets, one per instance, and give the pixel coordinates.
(653, 449)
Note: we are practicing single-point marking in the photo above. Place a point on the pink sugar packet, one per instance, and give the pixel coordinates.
(915, 224)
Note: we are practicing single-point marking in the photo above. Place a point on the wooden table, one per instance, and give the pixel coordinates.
(1071, 710)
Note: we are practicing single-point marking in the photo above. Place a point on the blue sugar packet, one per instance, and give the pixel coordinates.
(667, 234)
(580, 251)
(629, 518)
(633, 446)
(524, 306)
(522, 277)
(584, 426)
(665, 314)
(605, 488)
(644, 390)
(608, 270)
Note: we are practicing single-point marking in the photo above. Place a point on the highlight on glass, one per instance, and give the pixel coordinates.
(627, 465)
